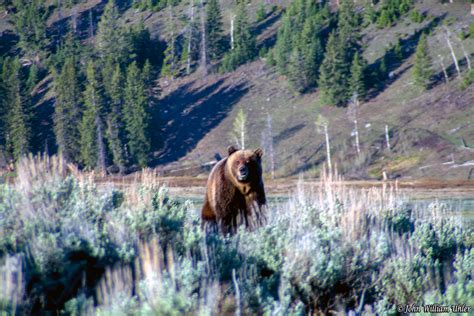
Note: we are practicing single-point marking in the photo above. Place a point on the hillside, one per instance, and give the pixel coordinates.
(429, 129)
(431, 132)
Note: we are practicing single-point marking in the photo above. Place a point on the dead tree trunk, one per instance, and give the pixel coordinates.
(451, 49)
(323, 123)
(466, 55)
(387, 138)
(269, 140)
(203, 63)
(353, 113)
(357, 136)
(190, 36)
(232, 31)
(328, 148)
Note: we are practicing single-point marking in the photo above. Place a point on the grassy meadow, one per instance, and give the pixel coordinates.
(71, 247)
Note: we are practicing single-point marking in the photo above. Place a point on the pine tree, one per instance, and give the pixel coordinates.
(67, 110)
(169, 68)
(312, 50)
(111, 40)
(245, 42)
(17, 129)
(115, 126)
(171, 59)
(141, 43)
(32, 78)
(348, 31)
(135, 115)
(384, 19)
(283, 46)
(332, 80)
(348, 42)
(369, 14)
(190, 52)
(382, 72)
(107, 71)
(92, 133)
(69, 46)
(296, 68)
(301, 29)
(422, 69)
(30, 24)
(357, 80)
(398, 51)
(215, 38)
(245, 47)
(260, 15)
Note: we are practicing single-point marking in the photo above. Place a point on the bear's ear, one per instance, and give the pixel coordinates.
(231, 150)
(258, 152)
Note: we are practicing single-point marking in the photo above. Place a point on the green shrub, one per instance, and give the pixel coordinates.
(320, 251)
(467, 80)
(416, 16)
(260, 15)
(461, 287)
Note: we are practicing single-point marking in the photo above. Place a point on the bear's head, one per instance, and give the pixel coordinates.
(245, 165)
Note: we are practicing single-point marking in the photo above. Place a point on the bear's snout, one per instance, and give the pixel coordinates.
(243, 173)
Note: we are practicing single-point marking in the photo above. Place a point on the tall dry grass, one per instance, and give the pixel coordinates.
(126, 249)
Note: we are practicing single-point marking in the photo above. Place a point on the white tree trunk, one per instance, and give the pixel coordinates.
(354, 114)
(466, 55)
(190, 35)
(357, 136)
(232, 32)
(453, 55)
(328, 149)
(203, 63)
(387, 138)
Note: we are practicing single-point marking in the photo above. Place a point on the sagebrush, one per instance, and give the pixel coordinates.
(69, 245)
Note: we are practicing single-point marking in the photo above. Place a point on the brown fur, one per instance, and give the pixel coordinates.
(229, 202)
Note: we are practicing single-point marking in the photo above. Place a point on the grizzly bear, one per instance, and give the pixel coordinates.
(235, 192)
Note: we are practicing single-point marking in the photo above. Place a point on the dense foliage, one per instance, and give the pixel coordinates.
(90, 109)
(138, 251)
(422, 71)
